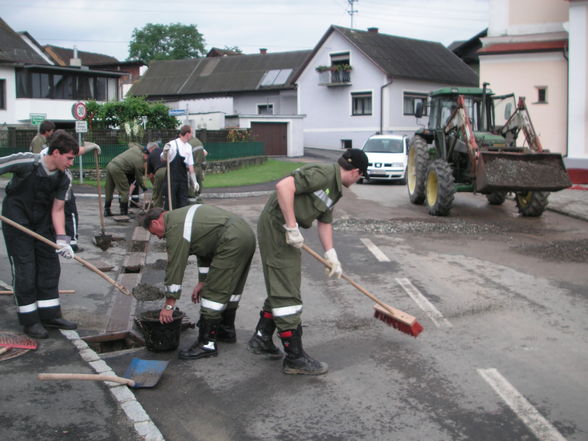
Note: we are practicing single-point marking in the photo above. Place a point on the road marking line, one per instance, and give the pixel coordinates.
(378, 253)
(542, 428)
(424, 304)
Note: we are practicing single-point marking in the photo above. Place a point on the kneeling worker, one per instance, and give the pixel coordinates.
(224, 245)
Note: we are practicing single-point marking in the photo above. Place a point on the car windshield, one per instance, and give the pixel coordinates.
(383, 146)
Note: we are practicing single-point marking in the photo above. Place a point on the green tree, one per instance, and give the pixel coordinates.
(128, 115)
(166, 42)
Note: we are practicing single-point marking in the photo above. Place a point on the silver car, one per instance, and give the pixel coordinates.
(387, 156)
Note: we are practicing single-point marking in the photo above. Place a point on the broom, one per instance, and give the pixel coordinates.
(391, 316)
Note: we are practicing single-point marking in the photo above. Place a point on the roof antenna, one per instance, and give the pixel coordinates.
(352, 11)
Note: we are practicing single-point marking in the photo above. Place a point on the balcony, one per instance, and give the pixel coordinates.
(333, 77)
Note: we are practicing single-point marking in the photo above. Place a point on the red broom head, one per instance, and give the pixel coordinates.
(414, 328)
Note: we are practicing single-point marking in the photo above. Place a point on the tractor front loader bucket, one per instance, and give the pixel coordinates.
(513, 171)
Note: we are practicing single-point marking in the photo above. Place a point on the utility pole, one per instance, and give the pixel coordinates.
(351, 10)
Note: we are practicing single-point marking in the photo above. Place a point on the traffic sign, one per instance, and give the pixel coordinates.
(81, 126)
(37, 118)
(78, 110)
(176, 112)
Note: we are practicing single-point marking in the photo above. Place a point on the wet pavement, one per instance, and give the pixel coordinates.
(93, 410)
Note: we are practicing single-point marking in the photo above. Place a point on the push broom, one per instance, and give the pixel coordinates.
(391, 316)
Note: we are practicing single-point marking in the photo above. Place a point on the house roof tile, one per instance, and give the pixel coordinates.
(62, 55)
(13, 49)
(217, 75)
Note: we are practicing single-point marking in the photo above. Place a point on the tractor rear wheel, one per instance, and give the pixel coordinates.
(440, 188)
(418, 160)
(496, 198)
(532, 203)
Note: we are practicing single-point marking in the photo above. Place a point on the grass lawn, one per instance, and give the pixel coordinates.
(269, 171)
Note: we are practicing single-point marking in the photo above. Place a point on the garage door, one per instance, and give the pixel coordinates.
(273, 135)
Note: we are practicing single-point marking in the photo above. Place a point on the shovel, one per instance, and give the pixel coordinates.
(87, 264)
(102, 241)
(139, 374)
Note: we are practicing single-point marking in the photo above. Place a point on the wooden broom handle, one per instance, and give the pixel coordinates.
(395, 312)
(87, 264)
(100, 207)
(93, 377)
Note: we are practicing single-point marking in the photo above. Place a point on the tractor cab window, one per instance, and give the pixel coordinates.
(504, 107)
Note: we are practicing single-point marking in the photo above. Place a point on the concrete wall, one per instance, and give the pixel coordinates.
(284, 102)
(522, 74)
(295, 136)
(526, 17)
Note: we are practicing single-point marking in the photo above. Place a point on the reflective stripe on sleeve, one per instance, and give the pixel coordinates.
(48, 303)
(215, 306)
(235, 298)
(203, 270)
(286, 310)
(173, 288)
(188, 220)
(324, 197)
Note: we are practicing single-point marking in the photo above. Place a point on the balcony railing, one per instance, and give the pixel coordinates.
(335, 78)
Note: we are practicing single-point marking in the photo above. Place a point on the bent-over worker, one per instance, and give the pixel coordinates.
(224, 245)
(308, 194)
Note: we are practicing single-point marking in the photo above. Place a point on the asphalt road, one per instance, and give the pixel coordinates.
(503, 301)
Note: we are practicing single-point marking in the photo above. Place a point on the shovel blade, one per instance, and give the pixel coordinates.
(103, 241)
(507, 171)
(145, 373)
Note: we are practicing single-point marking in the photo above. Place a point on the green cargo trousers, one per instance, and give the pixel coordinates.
(228, 269)
(281, 269)
(116, 179)
(158, 186)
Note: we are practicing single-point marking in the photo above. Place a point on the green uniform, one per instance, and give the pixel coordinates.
(223, 244)
(130, 162)
(38, 143)
(199, 163)
(318, 188)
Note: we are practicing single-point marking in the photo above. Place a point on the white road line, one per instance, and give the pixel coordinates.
(378, 253)
(424, 304)
(542, 428)
(5, 286)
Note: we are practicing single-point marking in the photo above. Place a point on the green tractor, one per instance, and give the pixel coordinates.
(470, 146)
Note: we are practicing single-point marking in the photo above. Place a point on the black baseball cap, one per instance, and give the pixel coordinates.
(357, 159)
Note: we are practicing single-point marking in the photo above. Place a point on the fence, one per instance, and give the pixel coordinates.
(114, 142)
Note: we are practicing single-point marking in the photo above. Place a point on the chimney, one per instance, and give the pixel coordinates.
(75, 61)
(373, 30)
(263, 51)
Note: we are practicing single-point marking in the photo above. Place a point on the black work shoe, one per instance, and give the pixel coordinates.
(304, 365)
(263, 345)
(36, 330)
(60, 323)
(199, 350)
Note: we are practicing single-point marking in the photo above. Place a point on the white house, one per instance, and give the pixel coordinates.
(357, 83)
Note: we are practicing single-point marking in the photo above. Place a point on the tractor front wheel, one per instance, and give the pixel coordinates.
(416, 170)
(440, 188)
(532, 203)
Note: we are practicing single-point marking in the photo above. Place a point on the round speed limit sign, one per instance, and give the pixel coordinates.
(78, 111)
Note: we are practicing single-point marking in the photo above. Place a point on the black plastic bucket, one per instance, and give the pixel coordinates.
(160, 337)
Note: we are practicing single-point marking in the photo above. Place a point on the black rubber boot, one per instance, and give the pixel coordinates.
(226, 329)
(261, 342)
(298, 362)
(205, 344)
(107, 211)
(36, 330)
(124, 208)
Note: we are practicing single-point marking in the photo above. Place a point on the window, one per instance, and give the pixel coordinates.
(2, 94)
(541, 94)
(411, 99)
(361, 103)
(346, 143)
(65, 86)
(265, 109)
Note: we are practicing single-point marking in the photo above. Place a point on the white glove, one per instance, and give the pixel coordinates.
(89, 146)
(294, 236)
(331, 258)
(65, 249)
(166, 148)
(195, 184)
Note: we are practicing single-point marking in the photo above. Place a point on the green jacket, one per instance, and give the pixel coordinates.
(192, 230)
(132, 162)
(318, 188)
(38, 143)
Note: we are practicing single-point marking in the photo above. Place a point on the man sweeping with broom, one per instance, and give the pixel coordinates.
(308, 194)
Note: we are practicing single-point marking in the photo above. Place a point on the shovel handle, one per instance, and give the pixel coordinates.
(89, 377)
(100, 207)
(391, 310)
(87, 264)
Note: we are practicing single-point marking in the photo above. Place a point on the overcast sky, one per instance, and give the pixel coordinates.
(106, 26)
